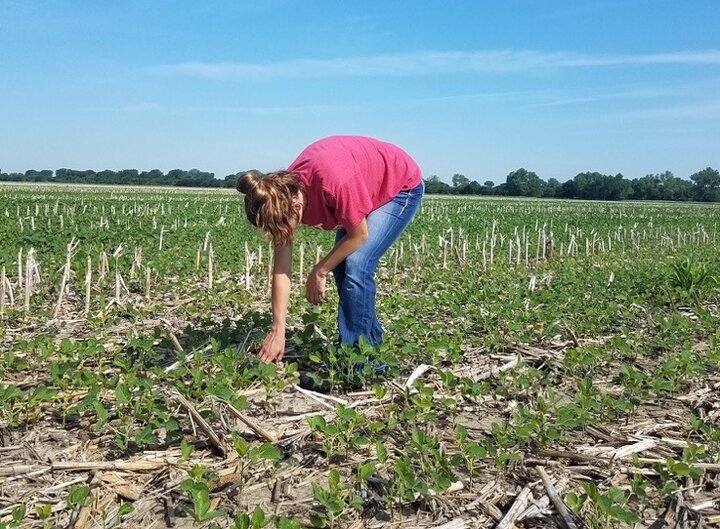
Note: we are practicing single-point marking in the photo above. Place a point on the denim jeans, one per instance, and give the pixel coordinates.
(355, 276)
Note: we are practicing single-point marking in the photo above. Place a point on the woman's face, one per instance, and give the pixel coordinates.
(298, 207)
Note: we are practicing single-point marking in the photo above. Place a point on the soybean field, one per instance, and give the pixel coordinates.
(547, 363)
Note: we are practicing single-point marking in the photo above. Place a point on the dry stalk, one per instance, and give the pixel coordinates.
(210, 267)
(517, 508)
(555, 499)
(83, 466)
(2, 292)
(204, 426)
(67, 271)
(171, 335)
(302, 263)
(88, 284)
(249, 260)
(29, 277)
(259, 430)
(148, 281)
(20, 269)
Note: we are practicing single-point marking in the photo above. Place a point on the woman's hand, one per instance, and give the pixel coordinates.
(272, 348)
(315, 286)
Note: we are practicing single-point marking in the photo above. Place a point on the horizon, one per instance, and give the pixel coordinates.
(629, 87)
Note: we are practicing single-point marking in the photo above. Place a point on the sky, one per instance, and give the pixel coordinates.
(479, 88)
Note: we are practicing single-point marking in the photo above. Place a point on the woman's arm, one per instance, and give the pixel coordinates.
(352, 240)
(273, 347)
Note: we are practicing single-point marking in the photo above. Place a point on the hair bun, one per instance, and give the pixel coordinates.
(247, 182)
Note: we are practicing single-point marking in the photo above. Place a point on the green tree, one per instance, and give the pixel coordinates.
(107, 177)
(38, 176)
(597, 186)
(471, 188)
(646, 188)
(615, 188)
(707, 185)
(129, 176)
(459, 180)
(434, 185)
(524, 183)
(674, 188)
(552, 188)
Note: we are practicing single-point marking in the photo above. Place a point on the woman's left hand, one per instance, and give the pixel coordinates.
(315, 286)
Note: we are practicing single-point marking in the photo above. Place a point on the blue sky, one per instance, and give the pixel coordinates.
(473, 87)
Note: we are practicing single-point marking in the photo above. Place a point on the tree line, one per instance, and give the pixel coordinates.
(703, 186)
(175, 177)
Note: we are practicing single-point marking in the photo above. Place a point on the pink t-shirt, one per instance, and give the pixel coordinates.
(347, 177)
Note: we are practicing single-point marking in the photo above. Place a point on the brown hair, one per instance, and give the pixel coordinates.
(269, 202)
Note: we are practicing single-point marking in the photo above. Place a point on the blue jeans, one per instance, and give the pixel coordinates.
(355, 276)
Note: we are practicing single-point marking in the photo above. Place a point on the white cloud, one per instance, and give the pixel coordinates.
(429, 63)
(261, 110)
(695, 112)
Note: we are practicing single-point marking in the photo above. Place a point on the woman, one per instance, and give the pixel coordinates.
(365, 189)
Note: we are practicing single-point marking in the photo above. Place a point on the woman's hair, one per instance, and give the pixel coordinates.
(269, 203)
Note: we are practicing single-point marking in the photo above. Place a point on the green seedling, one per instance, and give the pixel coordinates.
(196, 487)
(258, 520)
(341, 435)
(335, 502)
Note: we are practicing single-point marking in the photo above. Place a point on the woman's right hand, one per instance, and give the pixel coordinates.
(272, 348)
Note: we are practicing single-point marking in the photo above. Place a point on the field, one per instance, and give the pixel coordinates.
(549, 364)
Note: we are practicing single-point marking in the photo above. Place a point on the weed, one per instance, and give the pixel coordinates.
(691, 278)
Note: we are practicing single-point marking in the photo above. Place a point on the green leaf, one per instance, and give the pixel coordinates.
(288, 523)
(360, 440)
(240, 402)
(680, 469)
(202, 504)
(258, 518)
(381, 451)
(125, 509)
(43, 511)
(186, 449)
(66, 346)
(242, 447)
(315, 358)
(145, 436)
(604, 503)
(624, 515)
(122, 395)
(42, 394)
(79, 495)
(366, 470)
(220, 390)
(317, 423)
(319, 520)
(18, 513)
(265, 451)
(574, 501)
(334, 480)
(101, 413)
(356, 503)
(242, 521)
(335, 505)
